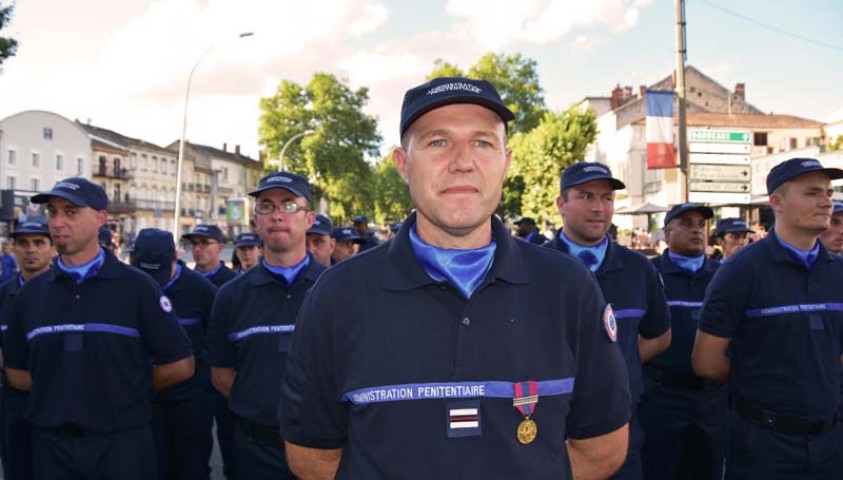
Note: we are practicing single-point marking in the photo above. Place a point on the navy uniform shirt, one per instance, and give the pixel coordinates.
(220, 277)
(192, 296)
(415, 381)
(90, 346)
(252, 321)
(632, 286)
(369, 241)
(786, 326)
(12, 397)
(685, 293)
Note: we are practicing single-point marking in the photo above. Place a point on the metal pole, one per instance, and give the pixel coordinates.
(680, 93)
(180, 161)
(287, 144)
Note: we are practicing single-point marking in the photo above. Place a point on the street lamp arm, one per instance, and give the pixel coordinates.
(287, 144)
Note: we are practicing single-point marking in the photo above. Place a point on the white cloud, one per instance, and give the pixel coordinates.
(372, 17)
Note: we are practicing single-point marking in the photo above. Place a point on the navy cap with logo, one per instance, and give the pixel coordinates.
(292, 182)
(448, 90)
(794, 167)
(209, 231)
(321, 225)
(681, 208)
(360, 218)
(154, 253)
(838, 207)
(346, 234)
(584, 172)
(248, 239)
(731, 225)
(78, 191)
(37, 225)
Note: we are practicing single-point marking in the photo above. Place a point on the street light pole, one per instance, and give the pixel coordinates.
(284, 148)
(180, 161)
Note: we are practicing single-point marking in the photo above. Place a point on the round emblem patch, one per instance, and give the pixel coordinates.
(165, 304)
(610, 324)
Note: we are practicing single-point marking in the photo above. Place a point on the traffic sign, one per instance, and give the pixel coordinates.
(719, 136)
(719, 159)
(720, 187)
(704, 147)
(724, 173)
(715, 198)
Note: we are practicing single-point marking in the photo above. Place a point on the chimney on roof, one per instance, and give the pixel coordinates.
(642, 90)
(617, 94)
(224, 147)
(740, 90)
(237, 150)
(627, 93)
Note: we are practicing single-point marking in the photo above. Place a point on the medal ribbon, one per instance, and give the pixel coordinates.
(526, 397)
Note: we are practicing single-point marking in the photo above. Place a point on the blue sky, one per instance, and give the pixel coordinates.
(124, 65)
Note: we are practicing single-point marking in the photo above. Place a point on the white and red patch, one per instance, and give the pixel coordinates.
(610, 323)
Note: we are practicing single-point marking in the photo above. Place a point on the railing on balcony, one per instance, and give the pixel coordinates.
(155, 205)
(127, 206)
(118, 173)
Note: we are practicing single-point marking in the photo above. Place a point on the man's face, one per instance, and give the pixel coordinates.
(206, 252)
(362, 228)
(832, 238)
(734, 241)
(805, 203)
(686, 234)
(524, 229)
(34, 252)
(74, 229)
(283, 232)
(454, 161)
(321, 247)
(587, 213)
(248, 256)
(345, 250)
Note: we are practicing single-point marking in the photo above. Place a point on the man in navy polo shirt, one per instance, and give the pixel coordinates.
(247, 247)
(772, 327)
(182, 414)
(465, 353)
(732, 235)
(528, 231)
(346, 244)
(367, 238)
(34, 250)
(683, 415)
(253, 319)
(206, 242)
(92, 339)
(832, 239)
(320, 243)
(629, 282)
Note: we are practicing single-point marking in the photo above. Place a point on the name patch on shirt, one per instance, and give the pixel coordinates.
(610, 324)
(165, 304)
(463, 419)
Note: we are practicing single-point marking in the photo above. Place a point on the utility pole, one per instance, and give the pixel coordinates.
(680, 94)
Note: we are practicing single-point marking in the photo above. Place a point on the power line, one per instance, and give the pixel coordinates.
(772, 27)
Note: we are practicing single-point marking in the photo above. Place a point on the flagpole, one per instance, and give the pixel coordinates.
(680, 94)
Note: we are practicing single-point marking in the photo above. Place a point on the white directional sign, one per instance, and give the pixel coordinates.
(720, 187)
(715, 198)
(724, 173)
(731, 148)
(716, 158)
(720, 136)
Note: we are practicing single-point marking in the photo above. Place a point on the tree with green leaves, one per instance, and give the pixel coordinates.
(392, 199)
(334, 156)
(8, 45)
(538, 159)
(515, 77)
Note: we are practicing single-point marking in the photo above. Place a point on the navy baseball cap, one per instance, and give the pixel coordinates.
(731, 225)
(321, 225)
(838, 207)
(105, 237)
(78, 191)
(209, 231)
(395, 227)
(584, 172)
(345, 234)
(154, 253)
(247, 239)
(360, 218)
(447, 90)
(37, 225)
(292, 182)
(525, 220)
(681, 208)
(795, 167)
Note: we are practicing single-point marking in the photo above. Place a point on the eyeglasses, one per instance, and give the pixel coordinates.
(202, 243)
(266, 208)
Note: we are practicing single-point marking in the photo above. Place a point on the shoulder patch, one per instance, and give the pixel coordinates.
(610, 324)
(165, 304)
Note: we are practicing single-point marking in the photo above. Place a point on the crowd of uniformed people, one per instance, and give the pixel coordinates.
(453, 349)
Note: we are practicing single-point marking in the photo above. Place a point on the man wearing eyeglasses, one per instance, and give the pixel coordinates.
(628, 281)
(253, 320)
(732, 235)
(206, 242)
(683, 415)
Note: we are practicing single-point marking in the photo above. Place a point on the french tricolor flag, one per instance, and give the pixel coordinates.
(660, 150)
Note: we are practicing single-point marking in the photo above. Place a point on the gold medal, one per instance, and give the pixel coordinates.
(527, 431)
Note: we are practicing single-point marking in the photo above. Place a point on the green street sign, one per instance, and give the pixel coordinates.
(721, 136)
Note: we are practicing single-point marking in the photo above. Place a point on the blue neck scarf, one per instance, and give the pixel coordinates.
(591, 257)
(213, 273)
(288, 274)
(805, 257)
(465, 269)
(174, 279)
(81, 273)
(689, 264)
(20, 280)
